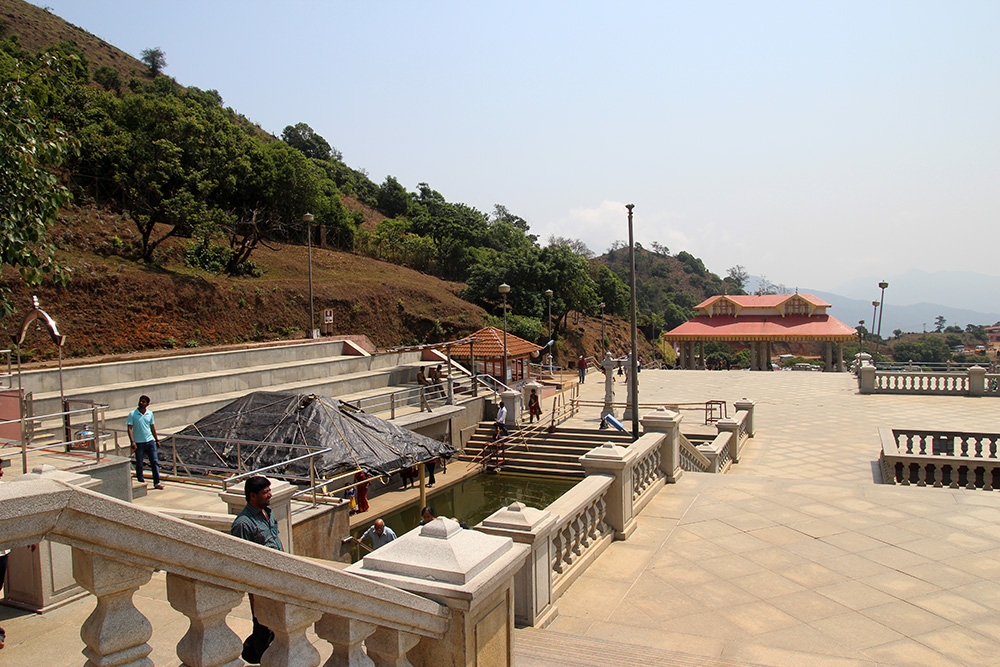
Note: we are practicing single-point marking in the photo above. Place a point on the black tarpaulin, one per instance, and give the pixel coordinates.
(271, 421)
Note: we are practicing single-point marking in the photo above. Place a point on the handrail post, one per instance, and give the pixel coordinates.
(392, 405)
(24, 438)
(312, 477)
(97, 434)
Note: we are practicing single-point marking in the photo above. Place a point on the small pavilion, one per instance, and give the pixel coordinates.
(760, 321)
(484, 354)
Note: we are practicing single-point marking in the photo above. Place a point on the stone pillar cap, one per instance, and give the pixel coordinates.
(516, 516)
(607, 451)
(534, 384)
(46, 471)
(510, 392)
(442, 551)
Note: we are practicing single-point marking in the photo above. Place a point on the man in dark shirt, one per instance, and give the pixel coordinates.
(255, 523)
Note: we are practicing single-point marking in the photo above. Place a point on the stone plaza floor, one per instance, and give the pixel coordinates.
(797, 556)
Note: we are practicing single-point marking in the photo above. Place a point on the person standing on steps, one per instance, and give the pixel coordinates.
(144, 441)
(581, 367)
(534, 407)
(501, 420)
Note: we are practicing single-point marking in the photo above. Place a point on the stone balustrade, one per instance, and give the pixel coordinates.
(974, 381)
(581, 530)
(940, 458)
(116, 547)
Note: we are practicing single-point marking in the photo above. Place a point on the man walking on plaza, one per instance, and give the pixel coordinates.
(581, 367)
(501, 420)
(142, 435)
(256, 523)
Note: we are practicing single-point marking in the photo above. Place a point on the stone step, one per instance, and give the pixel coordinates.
(544, 648)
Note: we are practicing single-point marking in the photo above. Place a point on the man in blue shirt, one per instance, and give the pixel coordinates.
(142, 435)
(380, 534)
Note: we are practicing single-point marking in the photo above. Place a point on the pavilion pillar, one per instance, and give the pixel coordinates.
(768, 360)
(753, 355)
(693, 356)
(829, 357)
(701, 355)
(840, 357)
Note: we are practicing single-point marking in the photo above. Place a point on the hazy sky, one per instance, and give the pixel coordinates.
(811, 142)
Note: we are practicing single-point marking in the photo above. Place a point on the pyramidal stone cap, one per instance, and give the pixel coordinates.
(440, 551)
(516, 516)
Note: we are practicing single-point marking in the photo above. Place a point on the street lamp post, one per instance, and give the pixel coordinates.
(861, 339)
(549, 294)
(633, 357)
(604, 352)
(874, 340)
(883, 285)
(308, 219)
(504, 288)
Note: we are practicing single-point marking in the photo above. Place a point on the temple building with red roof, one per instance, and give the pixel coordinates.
(485, 353)
(759, 321)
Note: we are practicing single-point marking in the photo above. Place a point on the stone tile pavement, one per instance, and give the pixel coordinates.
(798, 556)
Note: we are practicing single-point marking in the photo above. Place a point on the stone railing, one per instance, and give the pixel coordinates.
(972, 382)
(940, 458)
(722, 451)
(581, 530)
(117, 546)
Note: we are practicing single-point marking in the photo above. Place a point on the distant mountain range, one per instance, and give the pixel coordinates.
(914, 299)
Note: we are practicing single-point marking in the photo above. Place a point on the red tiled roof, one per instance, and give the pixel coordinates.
(762, 300)
(762, 327)
(489, 345)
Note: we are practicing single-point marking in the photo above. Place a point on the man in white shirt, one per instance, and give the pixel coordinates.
(502, 419)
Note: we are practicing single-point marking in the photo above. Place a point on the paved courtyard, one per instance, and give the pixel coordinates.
(798, 556)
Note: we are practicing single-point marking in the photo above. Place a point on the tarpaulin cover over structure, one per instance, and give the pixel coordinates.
(272, 420)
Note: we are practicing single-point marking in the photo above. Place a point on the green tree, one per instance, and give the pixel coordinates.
(939, 323)
(109, 78)
(304, 139)
(30, 191)
(155, 60)
(737, 276)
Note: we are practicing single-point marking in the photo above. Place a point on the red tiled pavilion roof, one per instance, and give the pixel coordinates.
(488, 344)
(763, 300)
(762, 327)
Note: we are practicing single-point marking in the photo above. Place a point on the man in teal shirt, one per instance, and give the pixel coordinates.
(142, 435)
(255, 523)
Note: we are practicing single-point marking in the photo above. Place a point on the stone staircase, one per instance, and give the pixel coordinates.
(543, 648)
(185, 388)
(544, 453)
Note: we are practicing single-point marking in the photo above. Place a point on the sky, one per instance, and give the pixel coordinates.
(810, 142)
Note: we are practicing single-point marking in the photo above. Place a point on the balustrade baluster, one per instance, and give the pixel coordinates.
(388, 648)
(289, 623)
(963, 446)
(954, 476)
(971, 478)
(558, 546)
(595, 521)
(209, 642)
(938, 476)
(346, 635)
(978, 446)
(115, 633)
(575, 537)
(988, 478)
(921, 475)
(923, 443)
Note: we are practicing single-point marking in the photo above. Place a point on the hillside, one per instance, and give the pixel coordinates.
(37, 29)
(158, 170)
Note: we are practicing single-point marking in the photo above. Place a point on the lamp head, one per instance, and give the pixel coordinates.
(307, 218)
(883, 284)
(504, 288)
(549, 293)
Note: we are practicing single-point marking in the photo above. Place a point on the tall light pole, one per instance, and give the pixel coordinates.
(633, 379)
(883, 285)
(308, 219)
(604, 352)
(549, 294)
(875, 310)
(504, 288)
(861, 339)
